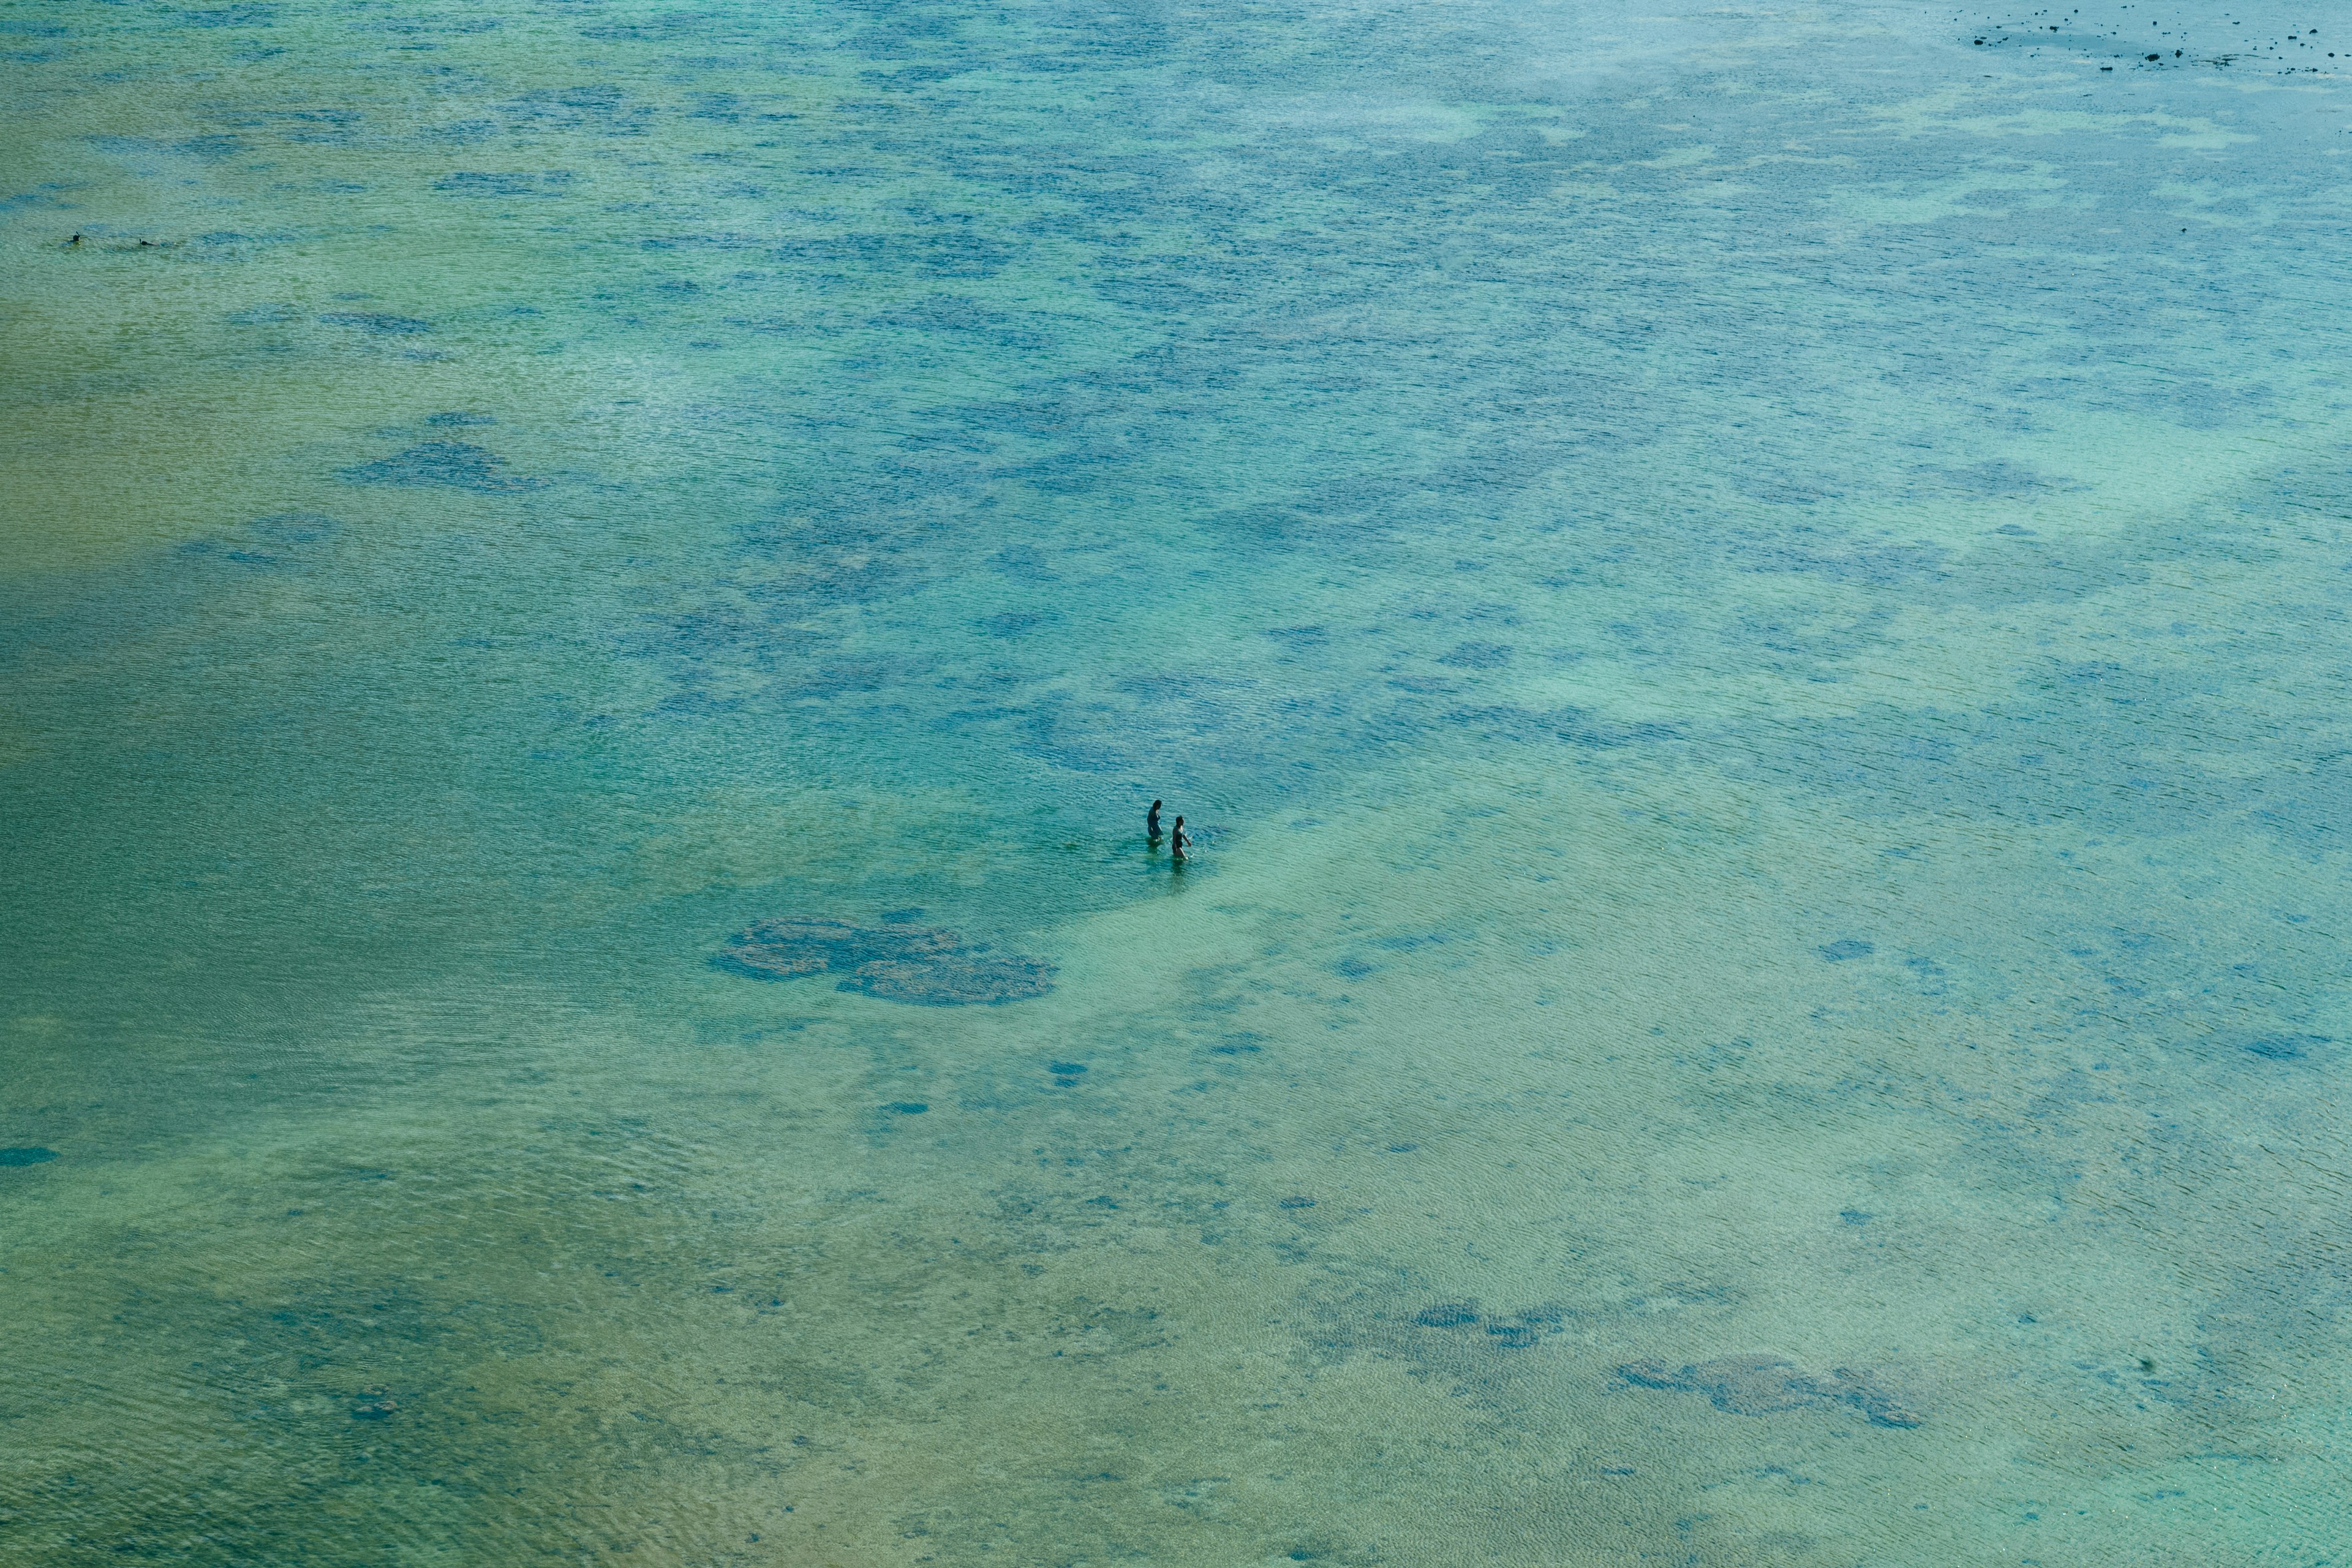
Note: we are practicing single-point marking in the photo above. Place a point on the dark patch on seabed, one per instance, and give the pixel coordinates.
(896, 962)
(26, 1157)
(460, 465)
(1765, 1385)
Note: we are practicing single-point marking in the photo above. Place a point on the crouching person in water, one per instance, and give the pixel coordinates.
(1179, 842)
(1151, 824)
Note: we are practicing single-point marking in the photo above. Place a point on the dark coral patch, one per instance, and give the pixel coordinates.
(774, 950)
(1764, 1385)
(26, 1157)
(375, 1405)
(1478, 655)
(952, 979)
(458, 464)
(1447, 1315)
(381, 323)
(896, 962)
(2286, 1048)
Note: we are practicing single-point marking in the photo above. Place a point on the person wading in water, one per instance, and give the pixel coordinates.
(1179, 842)
(1151, 824)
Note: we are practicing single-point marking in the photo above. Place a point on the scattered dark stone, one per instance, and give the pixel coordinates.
(1854, 1217)
(1296, 1203)
(1065, 1068)
(1447, 1315)
(906, 1107)
(1766, 1385)
(33, 1156)
(459, 463)
(1847, 947)
(1354, 968)
(1512, 1336)
(1402, 1148)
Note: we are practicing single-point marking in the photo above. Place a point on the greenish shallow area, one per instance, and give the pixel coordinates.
(1751, 604)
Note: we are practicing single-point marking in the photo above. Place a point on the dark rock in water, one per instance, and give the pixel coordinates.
(1881, 1406)
(458, 464)
(373, 1405)
(1512, 1336)
(1743, 1385)
(1765, 1385)
(2286, 1048)
(1065, 1068)
(774, 949)
(952, 979)
(459, 417)
(1297, 1203)
(896, 962)
(906, 1107)
(26, 1157)
(1847, 947)
(1447, 1315)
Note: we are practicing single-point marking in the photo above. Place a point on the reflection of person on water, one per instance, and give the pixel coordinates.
(1180, 841)
(1151, 823)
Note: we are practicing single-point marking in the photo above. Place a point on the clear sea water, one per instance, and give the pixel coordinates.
(1753, 602)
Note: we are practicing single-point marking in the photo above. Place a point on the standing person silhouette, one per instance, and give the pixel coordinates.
(1151, 824)
(1179, 842)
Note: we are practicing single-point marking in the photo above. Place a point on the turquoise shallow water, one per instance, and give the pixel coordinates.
(1752, 603)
